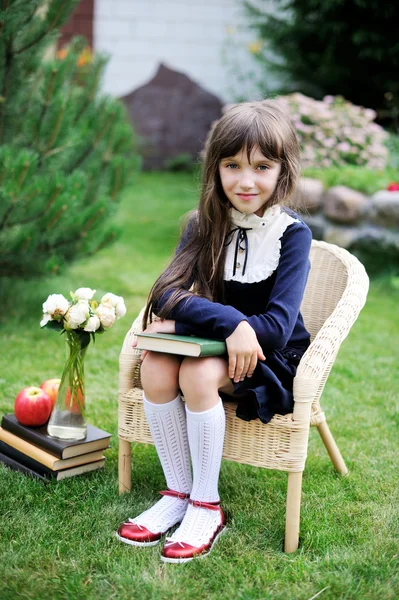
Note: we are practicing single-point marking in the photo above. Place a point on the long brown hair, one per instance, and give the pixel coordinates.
(200, 263)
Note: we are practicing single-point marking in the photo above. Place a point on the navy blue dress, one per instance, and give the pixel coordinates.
(271, 307)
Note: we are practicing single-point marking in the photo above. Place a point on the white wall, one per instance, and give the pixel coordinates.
(205, 39)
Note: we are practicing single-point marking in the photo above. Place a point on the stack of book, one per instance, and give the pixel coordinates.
(31, 450)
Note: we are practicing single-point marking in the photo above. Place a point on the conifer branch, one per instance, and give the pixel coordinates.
(116, 186)
(56, 129)
(59, 127)
(4, 91)
(57, 216)
(40, 214)
(23, 174)
(46, 101)
(89, 99)
(92, 221)
(26, 244)
(6, 216)
(102, 133)
(111, 236)
(46, 248)
(29, 17)
(52, 26)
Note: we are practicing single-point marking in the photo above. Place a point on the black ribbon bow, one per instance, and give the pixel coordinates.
(241, 238)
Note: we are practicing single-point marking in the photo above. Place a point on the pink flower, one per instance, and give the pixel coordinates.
(393, 187)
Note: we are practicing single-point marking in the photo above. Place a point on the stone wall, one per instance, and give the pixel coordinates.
(172, 115)
(365, 225)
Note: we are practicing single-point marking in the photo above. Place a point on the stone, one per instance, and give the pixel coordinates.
(345, 237)
(307, 196)
(172, 115)
(377, 248)
(317, 225)
(385, 208)
(344, 205)
(371, 243)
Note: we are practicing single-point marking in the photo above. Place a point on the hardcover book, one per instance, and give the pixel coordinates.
(185, 345)
(48, 475)
(16, 466)
(45, 458)
(96, 439)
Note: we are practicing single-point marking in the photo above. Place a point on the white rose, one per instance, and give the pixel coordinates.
(116, 302)
(110, 300)
(106, 315)
(56, 304)
(45, 320)
(120, 308)
(84, 293)
(92, 324)
(77, 314)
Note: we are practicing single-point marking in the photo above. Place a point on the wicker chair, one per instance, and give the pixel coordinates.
(335, 293)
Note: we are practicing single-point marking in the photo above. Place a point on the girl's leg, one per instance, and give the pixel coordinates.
(200, 381)
(166, 418)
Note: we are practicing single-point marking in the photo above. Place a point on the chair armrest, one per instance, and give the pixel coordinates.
(318, 359)
(129, 358)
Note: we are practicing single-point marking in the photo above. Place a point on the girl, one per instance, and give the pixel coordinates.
(239, 274)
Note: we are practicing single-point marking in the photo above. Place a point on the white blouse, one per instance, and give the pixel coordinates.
(254, 250)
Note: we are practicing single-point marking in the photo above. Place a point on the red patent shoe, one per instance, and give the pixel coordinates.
(137, 535)
(180, 552)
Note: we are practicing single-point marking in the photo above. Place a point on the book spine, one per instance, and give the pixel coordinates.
(27, 448)
(16, 466)
(24, 459)
(32, 437)
(75, 471)
(216, 349)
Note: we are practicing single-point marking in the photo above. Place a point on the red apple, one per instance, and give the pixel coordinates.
(51, 386)
(33, 406)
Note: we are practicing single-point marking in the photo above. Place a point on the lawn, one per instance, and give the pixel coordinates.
(56, 541)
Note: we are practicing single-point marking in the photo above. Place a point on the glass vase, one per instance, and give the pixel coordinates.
(67, 421)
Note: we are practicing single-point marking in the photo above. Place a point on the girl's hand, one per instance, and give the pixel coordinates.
(244, 350)
(158, 326)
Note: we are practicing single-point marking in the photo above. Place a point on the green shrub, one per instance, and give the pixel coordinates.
(334, 132)
(65, 150)
(181, 162)
(362, 179)
(393, 147)
(320, 47)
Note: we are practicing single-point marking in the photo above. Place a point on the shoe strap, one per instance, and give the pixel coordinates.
(180, 495)
(210, 505)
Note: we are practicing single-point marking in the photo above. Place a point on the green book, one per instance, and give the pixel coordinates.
(185, 345)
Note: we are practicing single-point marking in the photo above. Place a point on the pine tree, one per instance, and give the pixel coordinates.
(66, 151)
(332, 47)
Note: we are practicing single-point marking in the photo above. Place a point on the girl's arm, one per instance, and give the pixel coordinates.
(274, 328)
(195, 315)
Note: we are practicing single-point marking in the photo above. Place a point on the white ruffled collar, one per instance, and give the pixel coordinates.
(254, 254)
(252, 221)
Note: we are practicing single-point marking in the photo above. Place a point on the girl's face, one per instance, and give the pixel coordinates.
(249, 184)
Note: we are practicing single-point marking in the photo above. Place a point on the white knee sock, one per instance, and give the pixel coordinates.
(206, 436)
(167, 423)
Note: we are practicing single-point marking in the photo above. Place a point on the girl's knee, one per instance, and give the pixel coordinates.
(159, 374)
(202, 374)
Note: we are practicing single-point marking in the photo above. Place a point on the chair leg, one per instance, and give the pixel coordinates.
(124, 466)
(332, 448)
(293, 511)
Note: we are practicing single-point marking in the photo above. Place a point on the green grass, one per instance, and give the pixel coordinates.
(362, 179)
(57, 541)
